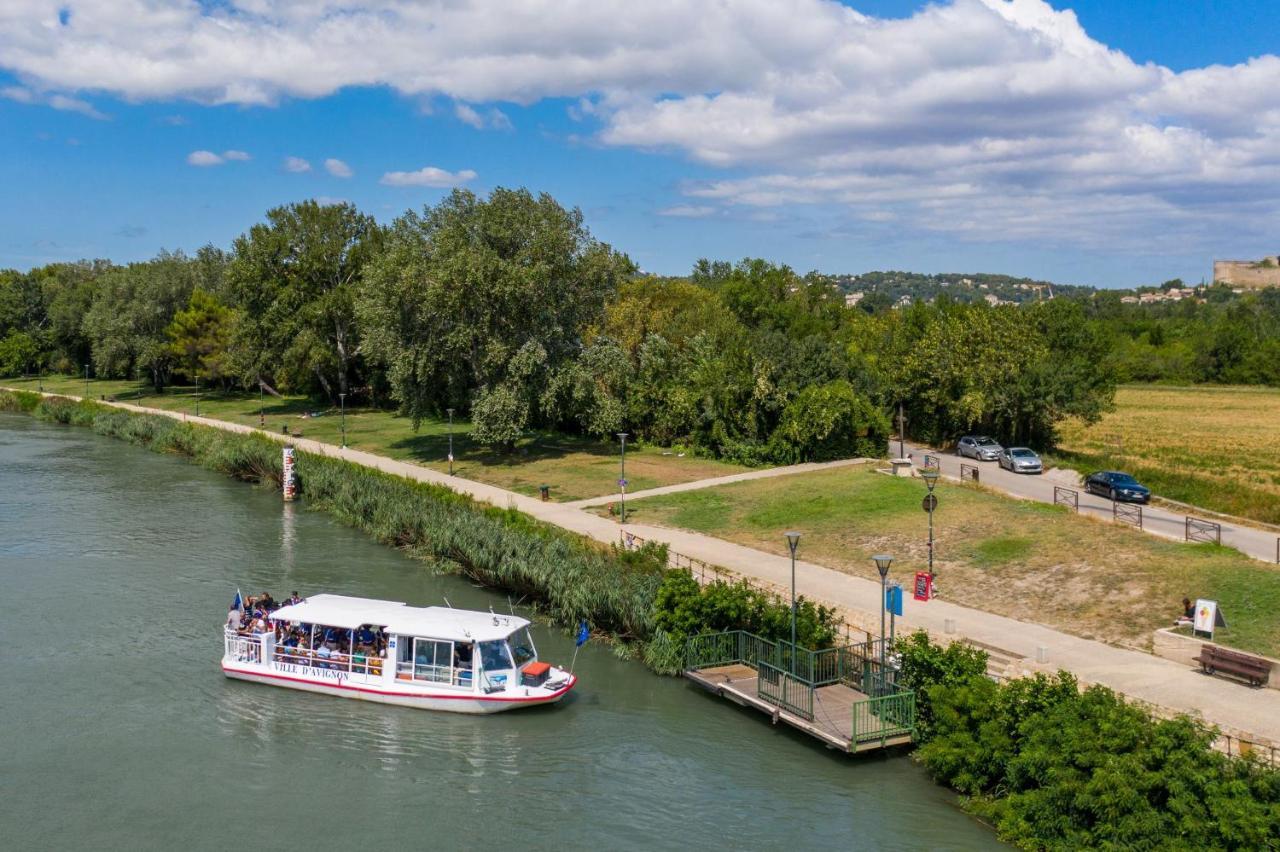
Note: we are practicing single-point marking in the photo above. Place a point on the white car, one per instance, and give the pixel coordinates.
(978, 447)
(1020, 460)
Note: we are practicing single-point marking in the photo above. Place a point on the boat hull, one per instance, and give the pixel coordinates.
(452, 703)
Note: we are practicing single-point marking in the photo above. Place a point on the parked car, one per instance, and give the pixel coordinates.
(1020, 460)
(1117, 486)
(978, 447)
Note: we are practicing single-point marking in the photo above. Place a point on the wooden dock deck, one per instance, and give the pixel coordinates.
(833, 706)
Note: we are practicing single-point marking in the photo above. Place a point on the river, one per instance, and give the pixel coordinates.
(119, 731)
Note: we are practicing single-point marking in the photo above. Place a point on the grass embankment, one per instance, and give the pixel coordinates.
(1027, 560)
(575, 468)
(1214, 447)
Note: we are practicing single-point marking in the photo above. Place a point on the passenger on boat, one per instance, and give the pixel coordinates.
(235, 617)
(293, 599)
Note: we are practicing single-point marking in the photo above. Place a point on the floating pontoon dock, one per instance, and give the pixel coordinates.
(824, 693)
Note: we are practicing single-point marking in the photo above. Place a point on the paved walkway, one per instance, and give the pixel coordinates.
(1138, 675)
(1259, 543)
(766, 473)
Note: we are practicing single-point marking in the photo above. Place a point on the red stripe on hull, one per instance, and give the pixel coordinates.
(467, 697)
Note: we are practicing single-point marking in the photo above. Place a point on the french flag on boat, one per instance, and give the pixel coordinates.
(238, 603)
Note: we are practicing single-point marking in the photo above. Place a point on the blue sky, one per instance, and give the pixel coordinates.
(971, 136)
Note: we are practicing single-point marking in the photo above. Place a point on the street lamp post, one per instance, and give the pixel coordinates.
(450, 410)
(86, 381)
(197, 396)
(930, 477)
(262, 407)
(342, 402)
(622, 476)
(883, 562)
(793, 541)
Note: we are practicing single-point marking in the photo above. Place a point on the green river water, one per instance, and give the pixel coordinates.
(119, 731)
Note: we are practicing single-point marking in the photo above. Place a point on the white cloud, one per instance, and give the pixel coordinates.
(428, 176)
(297, 165)
(236, 155)
(688, 211)
(992, 119)
(337, 168)
(203, 158)
(61, 102)
(491, 119)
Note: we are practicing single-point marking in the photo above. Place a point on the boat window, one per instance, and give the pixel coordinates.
(432, 660)
(495, 656)
(522, 646)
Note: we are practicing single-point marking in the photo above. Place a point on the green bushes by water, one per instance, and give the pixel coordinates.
(1052, 767)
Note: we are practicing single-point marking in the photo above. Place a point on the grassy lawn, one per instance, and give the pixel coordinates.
(1216, 447)
(575, 468)
(1026, 560)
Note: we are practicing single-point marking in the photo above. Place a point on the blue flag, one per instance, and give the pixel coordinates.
(238, 603)
(583, 635)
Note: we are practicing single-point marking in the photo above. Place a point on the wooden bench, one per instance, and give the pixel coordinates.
(1213, 659)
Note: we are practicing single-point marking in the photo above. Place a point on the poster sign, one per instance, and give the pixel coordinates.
(924, 586)
(893, 599)
(289, 479)
(1208, 617)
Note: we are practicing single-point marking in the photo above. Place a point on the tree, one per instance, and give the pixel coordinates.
(294, 280)
(826, 422)
(485, 298)
(132, 308)
(18, 353)
(199, 337)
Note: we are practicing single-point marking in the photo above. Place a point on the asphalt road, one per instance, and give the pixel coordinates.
(1258, 543)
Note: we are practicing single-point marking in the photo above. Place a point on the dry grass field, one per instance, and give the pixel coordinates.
(574, 468)
(1023, 559)
(1215, 447)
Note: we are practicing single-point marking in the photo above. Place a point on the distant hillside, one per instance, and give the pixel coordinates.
(963, 287)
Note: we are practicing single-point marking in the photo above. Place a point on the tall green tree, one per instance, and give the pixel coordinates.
(131, 310)
(481, 300)
(294, 280)
(200, 338)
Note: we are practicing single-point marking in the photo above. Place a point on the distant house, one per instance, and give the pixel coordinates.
(1128, 300)
(852, 299)
(992, 299)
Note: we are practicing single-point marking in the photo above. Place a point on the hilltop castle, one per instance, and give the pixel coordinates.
(1248, 274)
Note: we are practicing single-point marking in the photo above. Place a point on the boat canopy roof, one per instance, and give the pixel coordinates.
(436, 622)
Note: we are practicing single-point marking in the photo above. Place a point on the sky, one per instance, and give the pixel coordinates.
(1103, 142)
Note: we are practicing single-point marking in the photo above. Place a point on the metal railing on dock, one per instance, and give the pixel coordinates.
(884, 717)
(790, 678)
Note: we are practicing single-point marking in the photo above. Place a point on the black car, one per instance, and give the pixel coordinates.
(1117, 486)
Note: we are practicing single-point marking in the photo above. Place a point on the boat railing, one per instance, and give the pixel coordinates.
(242, 647)
(362, 664)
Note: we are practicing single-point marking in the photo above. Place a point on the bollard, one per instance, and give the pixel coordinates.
(949, 626)
(1042, 653)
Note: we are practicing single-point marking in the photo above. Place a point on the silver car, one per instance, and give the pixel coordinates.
(1020, 460)
(978, 447)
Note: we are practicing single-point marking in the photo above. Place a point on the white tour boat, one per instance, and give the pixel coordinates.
(433, 658)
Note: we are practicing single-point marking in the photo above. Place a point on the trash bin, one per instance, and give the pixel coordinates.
(546, 491)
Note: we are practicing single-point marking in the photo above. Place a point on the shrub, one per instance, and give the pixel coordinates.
(1052, 767)
(685, 608)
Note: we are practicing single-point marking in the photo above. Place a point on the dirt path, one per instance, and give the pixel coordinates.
(1236, 708)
